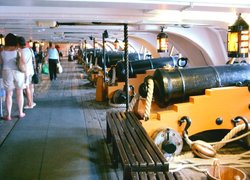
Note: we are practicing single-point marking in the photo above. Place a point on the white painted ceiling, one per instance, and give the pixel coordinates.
(76, 20)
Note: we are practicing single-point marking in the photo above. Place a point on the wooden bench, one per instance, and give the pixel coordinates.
(131, 145)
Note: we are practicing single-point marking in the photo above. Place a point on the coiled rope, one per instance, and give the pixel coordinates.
(131, 104)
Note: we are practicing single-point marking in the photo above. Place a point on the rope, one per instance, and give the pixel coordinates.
(231, 134)
(188, 160)
(228, 138)
(133, 102)
(117, 105)
(149, 98)
(113, 75)
(127, 64)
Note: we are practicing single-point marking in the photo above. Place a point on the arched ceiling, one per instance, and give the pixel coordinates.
(76, 20)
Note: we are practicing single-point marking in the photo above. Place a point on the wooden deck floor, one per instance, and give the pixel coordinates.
(63, 137)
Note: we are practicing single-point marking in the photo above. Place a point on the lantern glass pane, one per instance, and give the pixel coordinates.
(243, 50)
(244, 44)
(163, 44)
(244, 37)
(232, 41)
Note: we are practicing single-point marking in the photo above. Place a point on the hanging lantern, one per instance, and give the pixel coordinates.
(30, 43)
(238, 39)
(2, 41)
(116, 44)
(162, 41)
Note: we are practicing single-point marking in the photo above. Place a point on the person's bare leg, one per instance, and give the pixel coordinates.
(8, 103)
(19, 98)
(32, 90)
(29, 95)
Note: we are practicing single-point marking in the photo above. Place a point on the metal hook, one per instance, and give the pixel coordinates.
(188, 123)
(237, 120)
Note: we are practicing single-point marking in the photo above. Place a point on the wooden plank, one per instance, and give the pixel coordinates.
(145, 140)
(155, 148)
(134, 145)
(160, 176)
(138, 140)
(143, 175)
(170, 176)
(126, 152)
(134, 175)
(108, 133)
(151, 176)
(119, 144)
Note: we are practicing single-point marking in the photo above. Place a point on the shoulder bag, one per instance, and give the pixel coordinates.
(35, 77)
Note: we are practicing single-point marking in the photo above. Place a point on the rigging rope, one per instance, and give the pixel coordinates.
(149, 98)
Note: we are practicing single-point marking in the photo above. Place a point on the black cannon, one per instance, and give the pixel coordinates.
(113, 57)
(173, 86)
(139, 67)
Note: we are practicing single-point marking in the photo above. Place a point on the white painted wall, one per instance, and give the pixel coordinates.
(201, 45)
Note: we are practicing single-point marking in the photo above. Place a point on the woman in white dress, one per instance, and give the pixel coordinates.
(12, 77)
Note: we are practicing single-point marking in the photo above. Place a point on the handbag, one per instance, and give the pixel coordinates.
(35, 78)
(21, 66)
(45, 68)
(59, 68)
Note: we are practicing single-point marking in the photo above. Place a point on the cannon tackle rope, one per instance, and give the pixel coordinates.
(231, 134)
(228, 138)
(131, 104)
(149, 98)
(113, 76)
(188, 160)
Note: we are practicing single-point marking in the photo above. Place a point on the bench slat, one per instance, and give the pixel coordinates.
(117, 141)
(143, 175)
(160, 176)
(151, 176)
(133, 144)
(155, 148)
(144, 138)
(126, 147)
(140, 157)
(139, 143)
(169, 176)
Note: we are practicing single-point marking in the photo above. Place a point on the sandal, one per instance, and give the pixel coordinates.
(6, 118)
(27, 107)
(21, 116)
(33, 105)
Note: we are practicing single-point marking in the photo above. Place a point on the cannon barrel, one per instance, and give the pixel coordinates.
(139, 67)
(172, 86)
(113, 57)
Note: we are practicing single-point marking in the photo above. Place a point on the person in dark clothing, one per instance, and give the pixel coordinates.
(53, 59)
